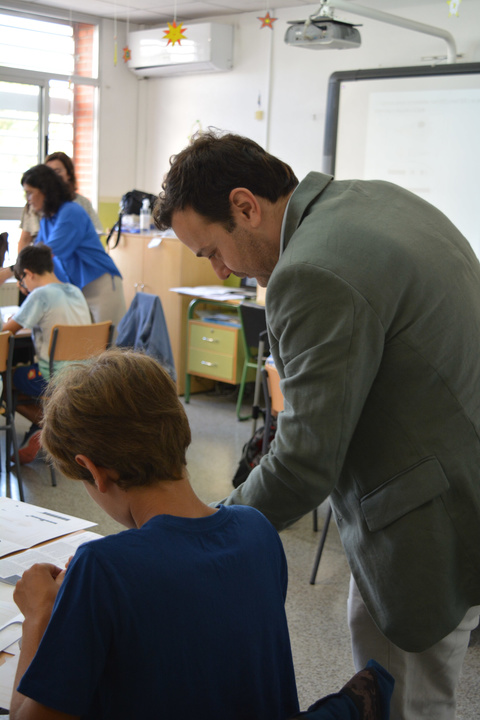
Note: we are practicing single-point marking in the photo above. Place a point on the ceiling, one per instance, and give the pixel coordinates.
(160, 11)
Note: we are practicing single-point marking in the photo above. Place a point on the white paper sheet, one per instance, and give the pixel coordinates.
(57, 553)
(23, 525)
(8, 668)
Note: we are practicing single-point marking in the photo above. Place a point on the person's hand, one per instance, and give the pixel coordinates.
(35, 593)
(22, 289)
(5, 274)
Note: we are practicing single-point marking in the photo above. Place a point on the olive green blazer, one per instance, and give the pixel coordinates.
(374, 318)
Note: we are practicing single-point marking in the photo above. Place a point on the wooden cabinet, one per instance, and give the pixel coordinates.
(155, 270)
(215, 351)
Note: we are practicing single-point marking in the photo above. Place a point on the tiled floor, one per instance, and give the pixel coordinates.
(316, 614)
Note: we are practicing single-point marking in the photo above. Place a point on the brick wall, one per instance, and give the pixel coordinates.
(83, 109)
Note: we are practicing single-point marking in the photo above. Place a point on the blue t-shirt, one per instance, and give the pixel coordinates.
(183, 618)
(79, 256)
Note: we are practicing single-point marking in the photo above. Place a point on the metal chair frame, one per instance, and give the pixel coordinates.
(7, 346)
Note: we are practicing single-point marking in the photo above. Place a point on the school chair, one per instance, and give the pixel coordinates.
(144, 328)
(77, 343)
(253, 326)
(7, 343)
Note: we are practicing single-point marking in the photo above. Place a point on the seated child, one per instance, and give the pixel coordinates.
(180, 616)
(49, 302)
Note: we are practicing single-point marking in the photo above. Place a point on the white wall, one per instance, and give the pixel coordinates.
(292, 84)
(119, 111)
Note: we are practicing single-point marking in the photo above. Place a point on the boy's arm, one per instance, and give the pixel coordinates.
(35, 595)
(12, 325)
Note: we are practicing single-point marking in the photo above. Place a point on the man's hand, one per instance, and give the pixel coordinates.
(35, 593)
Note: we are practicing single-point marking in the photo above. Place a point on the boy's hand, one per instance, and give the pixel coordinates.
(35, 593)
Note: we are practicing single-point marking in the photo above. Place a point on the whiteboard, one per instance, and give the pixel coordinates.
(421, 132)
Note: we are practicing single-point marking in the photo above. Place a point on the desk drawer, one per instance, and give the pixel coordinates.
(209, 364)
(213, 338)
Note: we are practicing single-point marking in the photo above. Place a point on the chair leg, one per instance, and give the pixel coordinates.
(240, 394)
(14, 441)
(320, 546)
(315, 520)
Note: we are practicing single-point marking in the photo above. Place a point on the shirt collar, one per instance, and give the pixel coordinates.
(284, 222)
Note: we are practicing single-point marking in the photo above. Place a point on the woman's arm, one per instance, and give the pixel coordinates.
(67, 230)
(25, 239)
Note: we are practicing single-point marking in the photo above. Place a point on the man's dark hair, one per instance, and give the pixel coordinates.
(50, 184)
(204, 173)
(36, 258)
(67, 163)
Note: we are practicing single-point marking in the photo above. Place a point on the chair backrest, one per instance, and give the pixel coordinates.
(4, 338)
(254, 322)
(79, 342)
(276, 396)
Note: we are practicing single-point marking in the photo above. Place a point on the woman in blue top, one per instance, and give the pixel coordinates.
(79, 257)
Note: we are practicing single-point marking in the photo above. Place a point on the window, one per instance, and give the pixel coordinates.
(48, 102)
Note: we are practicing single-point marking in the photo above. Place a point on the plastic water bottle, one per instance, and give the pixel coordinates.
(145, 217)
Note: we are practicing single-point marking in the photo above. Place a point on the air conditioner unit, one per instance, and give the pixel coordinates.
(207, 47)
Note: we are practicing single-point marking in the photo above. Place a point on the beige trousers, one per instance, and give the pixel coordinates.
(425, 682)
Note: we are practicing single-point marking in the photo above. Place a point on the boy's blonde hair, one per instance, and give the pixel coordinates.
(121, 410)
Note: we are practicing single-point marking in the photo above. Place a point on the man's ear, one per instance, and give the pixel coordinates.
(101, 476)
(245, 206)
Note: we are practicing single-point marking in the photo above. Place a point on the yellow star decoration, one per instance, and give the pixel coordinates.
(453, 5)
(267, 21)
(175, 33)
(127, 54)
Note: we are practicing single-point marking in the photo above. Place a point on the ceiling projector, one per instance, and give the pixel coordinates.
(322, 33)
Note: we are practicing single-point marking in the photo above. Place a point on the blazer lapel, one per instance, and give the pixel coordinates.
(305, 193)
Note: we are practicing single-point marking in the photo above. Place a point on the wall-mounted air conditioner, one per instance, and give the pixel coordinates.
(207, 47)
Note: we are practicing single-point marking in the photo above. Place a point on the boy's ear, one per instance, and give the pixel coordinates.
(101, 476)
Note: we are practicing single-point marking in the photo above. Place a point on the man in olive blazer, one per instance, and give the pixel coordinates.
(373, 310)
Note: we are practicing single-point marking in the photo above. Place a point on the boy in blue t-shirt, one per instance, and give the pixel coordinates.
(180, 616)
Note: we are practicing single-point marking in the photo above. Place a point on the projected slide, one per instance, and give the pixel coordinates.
(419, 132)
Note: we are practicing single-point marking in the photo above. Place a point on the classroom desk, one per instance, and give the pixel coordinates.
(59, 548)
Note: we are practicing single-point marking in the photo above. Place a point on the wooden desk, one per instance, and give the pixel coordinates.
(215, 351)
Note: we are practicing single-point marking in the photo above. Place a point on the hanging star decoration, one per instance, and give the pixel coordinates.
(175, 33)
(454, 6)
(127, 54)
(267, 21)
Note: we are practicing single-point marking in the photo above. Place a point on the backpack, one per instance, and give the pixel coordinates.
(130, 204)
(253, 451)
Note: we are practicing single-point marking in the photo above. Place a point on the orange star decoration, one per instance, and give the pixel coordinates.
(267, 21)
(127, 54)
(175, 33)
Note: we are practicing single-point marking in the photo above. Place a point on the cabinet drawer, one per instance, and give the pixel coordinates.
(209, 364)
(218, 339)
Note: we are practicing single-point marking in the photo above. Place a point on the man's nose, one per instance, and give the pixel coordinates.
(220, 269)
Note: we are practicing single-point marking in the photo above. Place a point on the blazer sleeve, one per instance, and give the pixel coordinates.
(327, 343)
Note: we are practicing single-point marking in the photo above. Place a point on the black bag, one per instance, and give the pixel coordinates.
(130, 204)
(252, 453)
